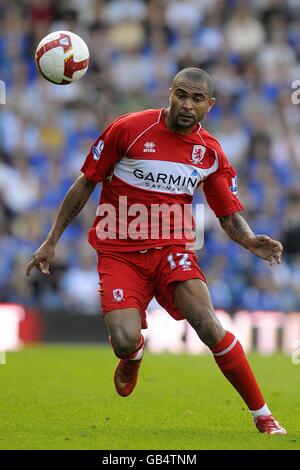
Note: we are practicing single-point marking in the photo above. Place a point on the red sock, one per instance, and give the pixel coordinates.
(135, 355)
(231, 359)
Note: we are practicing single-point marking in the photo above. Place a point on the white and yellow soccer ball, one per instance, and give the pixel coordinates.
(62, 57)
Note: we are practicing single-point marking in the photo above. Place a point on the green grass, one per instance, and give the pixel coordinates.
(62, 397)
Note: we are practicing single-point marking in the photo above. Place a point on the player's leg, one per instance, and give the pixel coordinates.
(124, 328)
(124, 295)
(192, 298)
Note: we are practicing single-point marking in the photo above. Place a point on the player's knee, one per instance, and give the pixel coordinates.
(125, 342)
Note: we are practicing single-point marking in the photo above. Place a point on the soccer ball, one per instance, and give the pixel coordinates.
(62, 57)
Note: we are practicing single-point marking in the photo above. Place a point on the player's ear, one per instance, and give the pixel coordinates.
(170, 92)
(211, 103)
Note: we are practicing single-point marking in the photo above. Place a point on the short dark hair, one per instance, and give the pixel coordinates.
(194, 74)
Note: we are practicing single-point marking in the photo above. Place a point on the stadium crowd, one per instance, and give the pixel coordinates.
(252, 50)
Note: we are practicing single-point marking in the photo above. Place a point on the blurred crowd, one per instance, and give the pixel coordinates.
(252, 50)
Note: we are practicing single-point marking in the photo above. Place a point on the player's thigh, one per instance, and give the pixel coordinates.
(124, 290)
(192, 298)
(192, 295)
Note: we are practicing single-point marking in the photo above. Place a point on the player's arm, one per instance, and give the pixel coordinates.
(98, 165)
(220, 189)
(73, 203)
(262, 246)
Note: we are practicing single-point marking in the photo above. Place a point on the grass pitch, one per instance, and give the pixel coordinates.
(63, 397)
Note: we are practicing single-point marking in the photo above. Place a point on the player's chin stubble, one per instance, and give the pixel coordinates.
(181, 123)
(177, 123)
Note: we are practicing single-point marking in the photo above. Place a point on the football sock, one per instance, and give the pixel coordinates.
(136, 355)
(231, 359)
(264, 411)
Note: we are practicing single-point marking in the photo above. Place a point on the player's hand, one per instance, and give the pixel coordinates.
(42, 258)
(266, 248)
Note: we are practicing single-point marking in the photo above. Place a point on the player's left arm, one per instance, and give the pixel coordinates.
(220, 189)
(262, 246)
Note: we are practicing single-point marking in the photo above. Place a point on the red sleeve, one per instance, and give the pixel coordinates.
(106, 151)
(220, 188)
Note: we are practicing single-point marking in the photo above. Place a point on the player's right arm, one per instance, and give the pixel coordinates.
(104, 153)
(73, 203)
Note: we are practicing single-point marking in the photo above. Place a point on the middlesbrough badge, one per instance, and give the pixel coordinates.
(198, 153)
(118, 294)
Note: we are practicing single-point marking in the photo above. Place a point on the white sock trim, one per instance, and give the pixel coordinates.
(138, 355)
(264, 411)
(229, 348)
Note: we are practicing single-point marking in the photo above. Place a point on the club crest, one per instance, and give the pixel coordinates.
(198, 153)
(118, 294)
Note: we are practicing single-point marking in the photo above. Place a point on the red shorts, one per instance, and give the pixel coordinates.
(133, 279)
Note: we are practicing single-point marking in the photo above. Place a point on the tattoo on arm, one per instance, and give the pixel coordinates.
(74, 211)
(237, 228)
(72, 204)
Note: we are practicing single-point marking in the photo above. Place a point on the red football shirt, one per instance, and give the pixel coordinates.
(143, 165)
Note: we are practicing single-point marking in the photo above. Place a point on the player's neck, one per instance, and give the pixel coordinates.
(170, 125)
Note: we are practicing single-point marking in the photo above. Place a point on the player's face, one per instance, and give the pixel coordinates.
(189, 102)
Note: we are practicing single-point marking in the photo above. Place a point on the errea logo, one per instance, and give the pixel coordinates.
(149, 147)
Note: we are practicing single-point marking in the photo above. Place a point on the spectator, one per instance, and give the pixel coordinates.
(252, 50)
